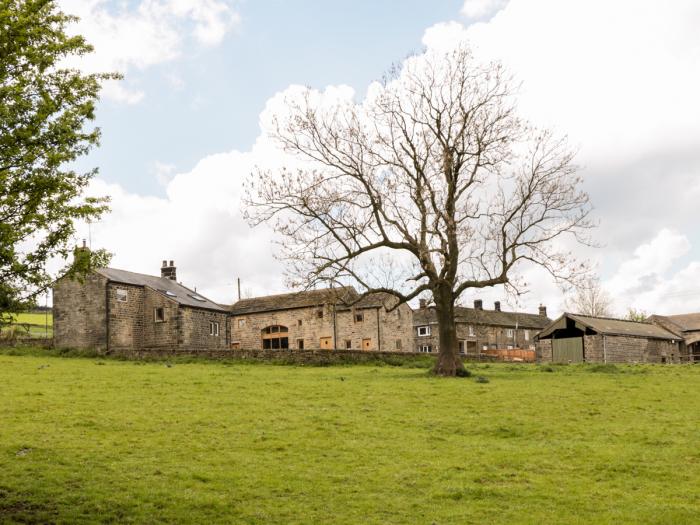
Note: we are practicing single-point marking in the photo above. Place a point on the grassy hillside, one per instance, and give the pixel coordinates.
(84, 440)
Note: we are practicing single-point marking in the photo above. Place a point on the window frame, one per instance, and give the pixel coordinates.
(158, 318)
(359, 317)
(118, 296)
(214, 328)
(425, 349)
(427, 331)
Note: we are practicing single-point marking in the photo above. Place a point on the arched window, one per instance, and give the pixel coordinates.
(275, 337)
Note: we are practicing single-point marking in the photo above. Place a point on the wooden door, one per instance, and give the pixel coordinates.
(366, 344)
(326, 343)
(567, 350)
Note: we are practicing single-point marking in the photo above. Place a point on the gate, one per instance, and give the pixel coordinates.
(569, 350)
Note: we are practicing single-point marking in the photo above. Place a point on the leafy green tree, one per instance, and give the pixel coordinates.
(637, 315)
(45, 110)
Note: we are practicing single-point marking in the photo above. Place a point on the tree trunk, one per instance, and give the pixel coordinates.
(448, 361)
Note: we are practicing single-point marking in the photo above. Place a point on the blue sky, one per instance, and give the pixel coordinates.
(224, 88)
(181, 132)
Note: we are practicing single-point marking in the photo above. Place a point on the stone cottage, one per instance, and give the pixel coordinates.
(116, 310)
(687, 328)
(575, 338)
(480, 330)
(329, 318)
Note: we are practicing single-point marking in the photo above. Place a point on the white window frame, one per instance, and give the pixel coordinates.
(214, 328)
(122, 298)
(425, 349)
(472, 331)
(509, 332)
(241, 322)
(155, 314)
(526, 335)
(425, 330)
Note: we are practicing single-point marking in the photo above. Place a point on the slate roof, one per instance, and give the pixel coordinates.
(608, 326)
(425, 316)
(167, 287)
(686, 322)
(288, 301)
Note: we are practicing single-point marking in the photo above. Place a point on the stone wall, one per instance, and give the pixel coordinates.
(593, 349)
(543, 351)
(622, 349)
(396, 326)
(302, 324)
(195, 331)
(80, 312)
(160, 334)
(125, 316)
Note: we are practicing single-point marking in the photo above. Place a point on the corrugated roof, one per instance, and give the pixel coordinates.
(287, 301)
(167, 287)
(609, 326)
(424, 316)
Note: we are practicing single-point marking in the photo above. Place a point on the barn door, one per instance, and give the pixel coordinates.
(569, 350)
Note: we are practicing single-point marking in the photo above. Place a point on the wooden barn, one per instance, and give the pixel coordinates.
(574, 338)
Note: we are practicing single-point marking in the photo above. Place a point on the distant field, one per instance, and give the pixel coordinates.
(39, 324)
(89, 440)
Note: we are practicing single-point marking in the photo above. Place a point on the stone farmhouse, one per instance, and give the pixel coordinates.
(116, 310)
(574, 338)
(687, 328)
(331, 318)
(479, 330)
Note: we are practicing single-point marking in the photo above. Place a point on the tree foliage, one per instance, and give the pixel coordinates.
(45, 108)
(432, 184)
(590, 298)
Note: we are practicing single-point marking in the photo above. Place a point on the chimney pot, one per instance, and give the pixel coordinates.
(497, 306)
(165, 263)
(543, 311)
(478, 304)
(171, 263)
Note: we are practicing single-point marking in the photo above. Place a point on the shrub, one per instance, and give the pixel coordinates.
(482, 379)
(463, 372)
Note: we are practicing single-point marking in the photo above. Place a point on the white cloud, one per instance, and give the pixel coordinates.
(481, 8)
(151, 32)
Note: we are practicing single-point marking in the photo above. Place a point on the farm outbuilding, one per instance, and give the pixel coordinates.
(575, 338)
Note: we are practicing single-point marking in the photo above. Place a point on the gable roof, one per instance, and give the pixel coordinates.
(288, 301)
(609, 326)
(424, 316)
(686, 322)
(169, 288)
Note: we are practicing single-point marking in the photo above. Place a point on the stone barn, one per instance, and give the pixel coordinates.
(574, 338)
(687, 328)
(117, 310)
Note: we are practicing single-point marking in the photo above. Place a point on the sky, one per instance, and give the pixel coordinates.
(182, 131)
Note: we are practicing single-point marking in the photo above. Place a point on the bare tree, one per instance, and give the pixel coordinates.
(591, 299)
(431, 184)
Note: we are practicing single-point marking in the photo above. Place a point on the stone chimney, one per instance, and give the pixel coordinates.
(168, 270)
(543, 311)
(497, 306)
(422, 303)
(478, 304)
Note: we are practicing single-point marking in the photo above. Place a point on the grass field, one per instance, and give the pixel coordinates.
(89, 440)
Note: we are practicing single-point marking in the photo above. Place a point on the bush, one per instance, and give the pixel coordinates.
(463, 372)
(482, 379)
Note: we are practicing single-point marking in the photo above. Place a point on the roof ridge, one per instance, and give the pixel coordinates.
(609, 318)
(298, 292)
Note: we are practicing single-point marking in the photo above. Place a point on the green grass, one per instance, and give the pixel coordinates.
(35, 318)
(91, 440)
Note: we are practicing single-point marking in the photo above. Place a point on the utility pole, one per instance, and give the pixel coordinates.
(238, 279)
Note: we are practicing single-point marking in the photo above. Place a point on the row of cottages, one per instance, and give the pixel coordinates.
(113, 310)
(574, 338)
(481, 331)
(332, 318)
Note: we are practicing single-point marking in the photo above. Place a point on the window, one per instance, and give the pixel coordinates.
(319, 314)
(214, 328)
(426, 349)
(460, 346)
(485, 347)
(526, 334)
(348, 344)
(298, 322)
(423, 331)
(241, 323)
(472, 332)
(274, 337)
(236, 345)
(197, 297)
(398, 344)
(122, 295)
(509, 332)
(510, 347)
(300, 344)
(359, 318)
(159, 315)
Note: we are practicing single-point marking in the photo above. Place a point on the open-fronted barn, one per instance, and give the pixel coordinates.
(574, 338)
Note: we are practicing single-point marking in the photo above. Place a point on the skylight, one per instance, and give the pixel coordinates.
(197, 297)
(170, 294)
